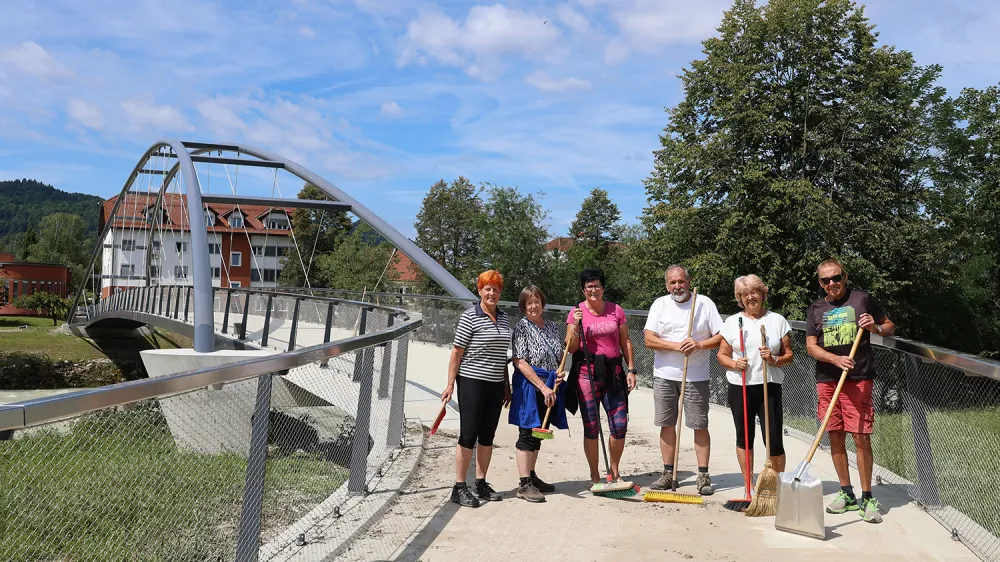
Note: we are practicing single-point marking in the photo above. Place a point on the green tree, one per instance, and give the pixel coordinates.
(798, 138)
(23, 243)
(358, 264)
(597, 221)
(965, 204)
(53, 306)
(62, 239)
(448, 230)
(317, 232)
(513, 238)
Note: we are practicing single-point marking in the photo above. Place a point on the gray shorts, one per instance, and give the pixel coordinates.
(665, 398)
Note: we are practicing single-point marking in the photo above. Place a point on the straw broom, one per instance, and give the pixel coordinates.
(765, 501)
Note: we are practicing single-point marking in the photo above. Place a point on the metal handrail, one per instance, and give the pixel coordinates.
(55, 408)
(960, 360)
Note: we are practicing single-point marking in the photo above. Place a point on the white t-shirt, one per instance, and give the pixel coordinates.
(669, 320)
(776, 327)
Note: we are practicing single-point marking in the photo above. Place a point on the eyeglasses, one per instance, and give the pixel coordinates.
(833, 278)
(593, 288)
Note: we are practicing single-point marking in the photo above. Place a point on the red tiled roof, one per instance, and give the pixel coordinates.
(132, 212)
(561, 243)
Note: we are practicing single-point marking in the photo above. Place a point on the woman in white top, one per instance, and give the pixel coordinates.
(751, 293)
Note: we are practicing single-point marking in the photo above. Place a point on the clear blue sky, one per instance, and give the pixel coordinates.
(384, 97)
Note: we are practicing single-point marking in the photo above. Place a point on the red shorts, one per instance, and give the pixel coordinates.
(854, 411)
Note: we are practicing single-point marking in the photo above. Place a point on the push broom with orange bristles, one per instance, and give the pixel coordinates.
(544, 432)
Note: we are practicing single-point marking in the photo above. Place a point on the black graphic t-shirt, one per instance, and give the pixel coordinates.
(835, 324)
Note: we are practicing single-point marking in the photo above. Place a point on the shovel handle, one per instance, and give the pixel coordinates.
(767, 405)
(545, 424)
(833, 401)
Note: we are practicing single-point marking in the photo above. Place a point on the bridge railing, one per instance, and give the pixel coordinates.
(246, 460)
(937, 421)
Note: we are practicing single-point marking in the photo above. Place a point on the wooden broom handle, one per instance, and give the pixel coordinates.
(833, 401)
(680, 404)
(767, 406)
(545, 424)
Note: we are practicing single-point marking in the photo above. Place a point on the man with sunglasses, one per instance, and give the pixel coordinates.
(832, 324)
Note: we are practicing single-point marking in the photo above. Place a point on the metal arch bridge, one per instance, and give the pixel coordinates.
(177, 163)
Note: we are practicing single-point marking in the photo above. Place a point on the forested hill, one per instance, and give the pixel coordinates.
(25, 202)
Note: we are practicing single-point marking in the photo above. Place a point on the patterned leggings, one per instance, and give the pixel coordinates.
(615, 405)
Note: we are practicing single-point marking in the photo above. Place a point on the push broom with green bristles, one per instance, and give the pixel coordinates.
(617, 490)
(544, 432)
(673, 496)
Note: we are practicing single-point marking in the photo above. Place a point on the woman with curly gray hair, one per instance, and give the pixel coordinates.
(744, 352)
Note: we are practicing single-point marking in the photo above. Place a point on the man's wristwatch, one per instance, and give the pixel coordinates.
(631, 371)
(879, 328)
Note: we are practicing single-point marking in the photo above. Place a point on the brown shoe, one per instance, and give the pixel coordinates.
(530, 493)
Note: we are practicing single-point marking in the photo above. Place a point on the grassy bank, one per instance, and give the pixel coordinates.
(113, 486)
(963, 445)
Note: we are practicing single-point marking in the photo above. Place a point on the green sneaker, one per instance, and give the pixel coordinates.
(842, 503)
(870, 512)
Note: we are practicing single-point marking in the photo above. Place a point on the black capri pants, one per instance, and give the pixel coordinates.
(525, 441)
(755, 405)
(479, 405)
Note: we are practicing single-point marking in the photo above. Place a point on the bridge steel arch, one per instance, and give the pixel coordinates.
(201, 266)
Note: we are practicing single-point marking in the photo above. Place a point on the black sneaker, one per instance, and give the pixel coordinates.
(540, 485)
(463, 497)
(486, 492)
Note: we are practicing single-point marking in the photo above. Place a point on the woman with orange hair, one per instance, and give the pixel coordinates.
(479, 365)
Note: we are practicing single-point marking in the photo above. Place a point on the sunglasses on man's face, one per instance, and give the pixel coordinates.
(833, 278)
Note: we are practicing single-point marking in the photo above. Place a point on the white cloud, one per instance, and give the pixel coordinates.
(307, 31)
(573, 19)
(615, 52)
(392, 109)
(147, 115)
(479, 44)
(86, 114)
(546, 83)
(651, 24)
(31, 58)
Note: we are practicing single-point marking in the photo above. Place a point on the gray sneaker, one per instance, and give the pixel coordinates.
(842, 503)
(704, 484)
(530, 493)
(870, 512)
(662, 483)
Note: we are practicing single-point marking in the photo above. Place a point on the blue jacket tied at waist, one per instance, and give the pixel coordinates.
(524, 399)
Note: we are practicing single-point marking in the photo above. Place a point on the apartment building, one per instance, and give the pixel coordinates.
(247, 244)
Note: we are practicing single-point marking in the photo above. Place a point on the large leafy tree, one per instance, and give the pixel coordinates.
(358, 263)
(598, 220)
(448, 229)
(798, 138)
(514, 236)
(53, 306)
(317, 232)
(63, 239)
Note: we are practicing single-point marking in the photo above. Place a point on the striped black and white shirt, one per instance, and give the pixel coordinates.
(485, 344)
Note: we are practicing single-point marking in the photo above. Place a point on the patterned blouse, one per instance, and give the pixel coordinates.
(540, 347)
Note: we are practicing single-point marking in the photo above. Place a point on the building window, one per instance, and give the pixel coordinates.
(128, 270)
(216, 273)
(236, 220)
(156, 245)
(235, 259)
(180, 271)
(214, 248)
(277, 221)
(209, 218)
(154, 271)
(182, 246)
(235, 284)
(257, 250)
(128, 245)
(270, 275)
